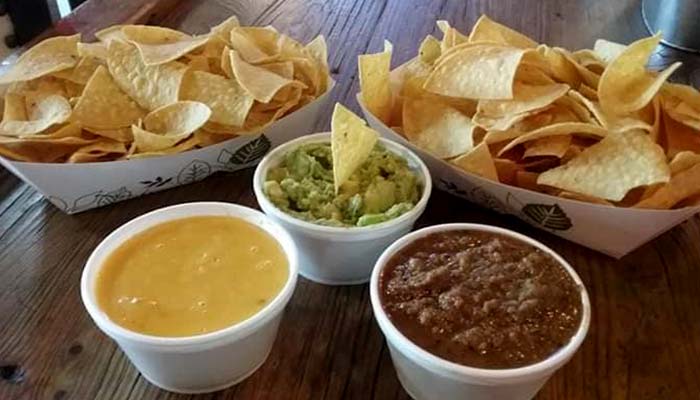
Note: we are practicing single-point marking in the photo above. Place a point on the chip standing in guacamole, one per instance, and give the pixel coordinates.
(382, 188)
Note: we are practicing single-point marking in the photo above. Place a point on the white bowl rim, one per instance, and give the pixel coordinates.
(443, 366)
(265, 203)
(227, 334)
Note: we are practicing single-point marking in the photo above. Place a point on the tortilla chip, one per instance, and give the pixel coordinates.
(607, 50)
(98, 151)
(626, 86)
(180, 118)
(145, 141)
(122, 135)
(612, 167)
(682, 185)
(49, 56)
(564, 128)
(223, 30)
(584, 198)
(104, 105)
(526, 98)
(374, 82)
(487, 30)
(43, 112)
(255, 44)
(155, 54)
(478, 161)
(436, 128)
(552, 146)
(155, 35)
(110, 33)
(352, 142)
(14, 109)
(258, 82)
(679, 137)
(97, 50)
(151, 86)
(285, 69)
(40, 150)
(451, 37)
(228, 101)
(483, 72)
(429, 50)
(317, 50)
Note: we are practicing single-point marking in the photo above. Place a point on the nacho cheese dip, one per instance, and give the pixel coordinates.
(191, 276)
(481, 299)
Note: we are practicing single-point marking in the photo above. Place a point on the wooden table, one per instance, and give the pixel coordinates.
(644, 340)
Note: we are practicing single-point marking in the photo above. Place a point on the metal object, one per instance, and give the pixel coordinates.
(676, 19)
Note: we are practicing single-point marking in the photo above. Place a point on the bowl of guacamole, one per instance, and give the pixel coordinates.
(340, 233)
(384, 187)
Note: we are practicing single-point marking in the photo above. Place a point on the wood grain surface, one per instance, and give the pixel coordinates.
(644, 340)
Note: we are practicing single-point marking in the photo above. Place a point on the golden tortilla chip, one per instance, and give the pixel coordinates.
(552, 146)
(374, 82)
(151, 86)
(429, 50)
(42, 113)
(582, 197)
(607, 50)
(180, 118)
(155, 35)
(483, 72)
(14, 109)
(255, 44)
(478, 161)
(155, 54)
(436, 128)
(49, 56)
(110, 33)
(98, 151)
(682, 185)
(451, 36)
(563, 128)
(626, 86)
(226, 98)
(145, 141)
(223, 30)
(260, 83)
(487, 30)
(103, 105)
(352, 142)
(97, 50)
(526, 98)
(285, 69)
(612, 167)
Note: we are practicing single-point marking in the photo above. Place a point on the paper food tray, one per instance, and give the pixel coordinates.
(78, 187)
(614, 231)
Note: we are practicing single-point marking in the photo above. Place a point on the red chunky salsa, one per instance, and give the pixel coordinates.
(481, 299)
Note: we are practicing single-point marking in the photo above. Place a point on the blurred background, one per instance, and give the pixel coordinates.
(22, 20)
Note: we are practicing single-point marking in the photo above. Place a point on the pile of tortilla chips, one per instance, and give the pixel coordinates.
(590, 125)
(144, 91)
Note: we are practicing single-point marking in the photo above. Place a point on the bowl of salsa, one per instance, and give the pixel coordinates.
(341, 233)
(475, 311)
(192, 293)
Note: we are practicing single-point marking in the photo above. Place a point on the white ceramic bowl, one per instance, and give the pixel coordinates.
(340, 255)
(202, 363)
(426, 376)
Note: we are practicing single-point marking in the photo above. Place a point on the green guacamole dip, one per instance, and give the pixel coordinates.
(383, 188)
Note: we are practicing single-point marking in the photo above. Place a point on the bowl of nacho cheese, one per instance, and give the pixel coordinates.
(340, 234)
(193, 293)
